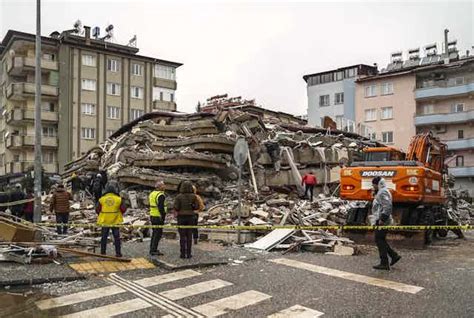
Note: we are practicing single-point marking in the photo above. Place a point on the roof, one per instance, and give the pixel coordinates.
(96, 45)
(305, 77)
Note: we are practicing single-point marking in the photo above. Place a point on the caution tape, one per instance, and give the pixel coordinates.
(272, 227)
(17, 202)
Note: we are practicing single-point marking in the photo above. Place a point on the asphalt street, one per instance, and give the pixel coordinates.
(435, 282)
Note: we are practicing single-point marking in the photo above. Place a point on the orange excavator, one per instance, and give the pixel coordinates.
(417, 181)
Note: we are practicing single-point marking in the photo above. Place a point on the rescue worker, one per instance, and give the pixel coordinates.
(186, 202)
(196, 218)
(61, 206)
(17, 195)
(96, 187)
(158, 210)
(75, 186)
(309, 181)
(382, 215)
(110, 209)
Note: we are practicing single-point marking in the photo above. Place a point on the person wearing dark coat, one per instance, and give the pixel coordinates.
(17, 195)
(185, 205)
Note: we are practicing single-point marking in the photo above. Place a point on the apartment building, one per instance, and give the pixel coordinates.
(445, 105)
(90, 88)
(332, 93)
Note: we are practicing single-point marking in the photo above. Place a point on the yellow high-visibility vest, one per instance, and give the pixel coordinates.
(153, 199)
(110, 213)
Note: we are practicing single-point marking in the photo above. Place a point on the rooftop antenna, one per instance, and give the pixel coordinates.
(78, 26)
(133, 41)
(96, 32)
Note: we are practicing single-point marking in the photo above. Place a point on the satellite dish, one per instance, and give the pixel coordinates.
(78, 26)
(133, 41)
(241, 150)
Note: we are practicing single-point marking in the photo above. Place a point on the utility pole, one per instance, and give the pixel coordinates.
(38, 129)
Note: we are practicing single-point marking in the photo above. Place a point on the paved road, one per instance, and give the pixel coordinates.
(437, 282)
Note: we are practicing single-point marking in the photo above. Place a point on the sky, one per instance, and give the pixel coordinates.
(256, 49)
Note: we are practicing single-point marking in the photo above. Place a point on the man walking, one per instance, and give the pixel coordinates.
(382, 215)
(158, 210)
(309, 181)
(110, 209)
(60, 205)
(196, 217)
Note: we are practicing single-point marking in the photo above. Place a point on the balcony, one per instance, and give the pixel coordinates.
(18, 166)
(21, 91)
(164, 105)
(449, 118)
(460, 144)
(17, 116)
(462, 171)
(165, 83)
(51, 167)
(442, 90)
(15, 142)
(18, 65)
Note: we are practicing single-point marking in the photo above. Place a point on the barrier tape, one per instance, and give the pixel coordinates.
(272, 227)
(17, 202)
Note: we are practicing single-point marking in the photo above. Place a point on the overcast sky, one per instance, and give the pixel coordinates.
(256, 49)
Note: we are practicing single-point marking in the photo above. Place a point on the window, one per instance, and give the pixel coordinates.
(371, 91)
(324, 100)
(88, 109)
(88, 60)
(16, 158)
(136, 113)
(88, 133)
(339, 98)
(136, 92)
(48, 107)
(386, 113)
(387, 136)
(109, 133)
(373, 136)
(339, 76)
(428, 109)
(460, 134)
(458, 108)
(171, 97)
(49, 56)
(370, 114)
(113, 89)
(163, 94)
(460, 161)
(88, 84)
(112, 65)
(166, 72)
(456, 81)
(387, 88)
(137, 69)
(49, 157)
(113, 112)
(49, 131)
(351, 72)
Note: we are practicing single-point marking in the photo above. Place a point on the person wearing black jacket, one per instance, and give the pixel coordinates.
(17, 195)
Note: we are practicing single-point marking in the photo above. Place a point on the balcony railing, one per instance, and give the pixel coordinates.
(449, 118)
(460, 144)
(29, 141)
(19, 91)
(19, 64)
(18, 166)
(19, 115)
(462, 171)
(164, 105)
(444, 90)
(165, 83)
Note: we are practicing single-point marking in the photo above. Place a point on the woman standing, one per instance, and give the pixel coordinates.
(185, 204)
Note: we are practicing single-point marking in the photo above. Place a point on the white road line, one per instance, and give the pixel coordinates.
(235, 302)
(297, 311)
(111, 290)
(112, 309)
(350, 276)
(191, 290)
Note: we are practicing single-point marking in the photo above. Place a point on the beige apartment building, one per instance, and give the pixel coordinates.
(90, 88)
(431, 93)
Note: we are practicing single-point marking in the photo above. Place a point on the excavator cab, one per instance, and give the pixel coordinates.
(383, 154)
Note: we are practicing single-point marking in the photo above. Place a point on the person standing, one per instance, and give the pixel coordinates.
(309, 181)
(158, 210)
(196, 217)
(110, 209)
(61, 206)
(75, 186)
(96, 187)
(186, 202)
(17, 195)
(382, 215)
(28, 209)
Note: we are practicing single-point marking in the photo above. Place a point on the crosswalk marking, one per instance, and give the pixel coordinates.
(111, 290)
(195, 289)
(297, 311)
(235, 302)
(350, 276)
(112, 309)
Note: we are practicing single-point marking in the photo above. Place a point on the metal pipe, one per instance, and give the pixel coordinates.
(38, 129)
